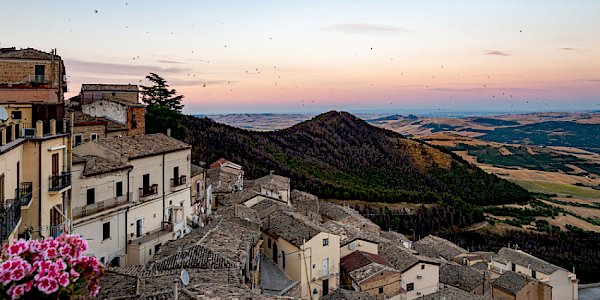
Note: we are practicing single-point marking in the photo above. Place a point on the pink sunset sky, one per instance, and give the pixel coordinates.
(301, 56)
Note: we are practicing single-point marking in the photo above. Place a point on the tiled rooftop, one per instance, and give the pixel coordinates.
(370, 270)
(525, 259)
(196, 170)
(451, 293)
(342, 294)
(292, 227)
(143, 145)
(359, 259)
(461, 276)
(95, 165)
(222, 181)
(511, 281)
(28, 53)
(109, 87)
(236, 197)
(435, 247)
(305, 203)
(399, 257)
(274, 182)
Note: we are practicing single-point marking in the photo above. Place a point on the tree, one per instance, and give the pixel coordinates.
(160, 94)
(159, 118)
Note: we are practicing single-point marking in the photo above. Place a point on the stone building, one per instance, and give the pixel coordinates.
(513, 286)
(370, 273)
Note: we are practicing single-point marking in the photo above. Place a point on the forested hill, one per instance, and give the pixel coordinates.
(336, 155)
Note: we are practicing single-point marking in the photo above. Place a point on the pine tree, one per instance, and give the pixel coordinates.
(159, 94)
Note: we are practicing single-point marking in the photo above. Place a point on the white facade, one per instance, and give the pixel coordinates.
(421, 279)
(109, 109)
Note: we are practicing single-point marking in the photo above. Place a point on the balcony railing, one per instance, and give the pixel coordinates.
(149, 191)
(178, 181)
(152, 235)
(37, 78)
(59, 182)
(57, 230)
(24, 193)
(82, 211)
(10, 214)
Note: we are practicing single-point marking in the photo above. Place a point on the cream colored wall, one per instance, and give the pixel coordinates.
(141, 254)
(429, 282)
(316, 256)
(179, 159)
(390, 281)
(150, 212)
(361, 245)
(562, 286)
(8, 167)
(91, 230)
(528, 272)
(254, 200)
(104, 185)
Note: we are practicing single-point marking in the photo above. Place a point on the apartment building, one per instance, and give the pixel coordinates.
(304, 250)
(370, 273)
(157, 185)
(564, 283)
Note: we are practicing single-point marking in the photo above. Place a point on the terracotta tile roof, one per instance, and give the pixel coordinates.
(143, 145)
(237, 197)
(435, 247)
(95, 165)
(359, 259)
(461, 276)
(109, 87)
(28, 53)
(401, 258)
(196, 256)
(343, 294)
(525, 259)
(292, 227)
(218, 163)
(367, 272)
(189, 239)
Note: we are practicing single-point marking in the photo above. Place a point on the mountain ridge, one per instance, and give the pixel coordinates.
(337, 155)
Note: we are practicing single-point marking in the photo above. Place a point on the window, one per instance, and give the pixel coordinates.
(410, 287)
(269, 243)
(325, 242)
(16, 115)
(533, 274)
(102, 259)
(93, 136)
(283, 259)
(381, 290)
(423, 267)
(40, 71)
(91, 196)
(78, 140)
(325, 287)
(2, 188)
(133, 120)
(106, 231)
(150, 251)
(514, 267)
(116, 262)
(139, 227)
(119, 189)
(156, 248)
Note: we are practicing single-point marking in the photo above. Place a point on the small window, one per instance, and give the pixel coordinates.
(133, 120)
(269, 243)
(533, 274)
(325, 242)
(102, 259)
(91, 196)
(381, 290)
(119, 189)
(514, 267)
(410, 287)
(106, 231)
(150, 251)
(423, 267)
(78, 140)
(16, 115)
(93, 136)
(156, 248)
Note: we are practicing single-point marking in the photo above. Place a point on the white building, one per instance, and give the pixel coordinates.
(156, 187)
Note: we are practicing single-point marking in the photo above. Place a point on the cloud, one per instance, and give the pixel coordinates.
(168, 62)
(496, 52)
(80, 66)
(487, 89)
(363, 28)
(199, 82)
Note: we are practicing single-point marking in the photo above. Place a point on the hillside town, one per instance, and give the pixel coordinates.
(166, 228)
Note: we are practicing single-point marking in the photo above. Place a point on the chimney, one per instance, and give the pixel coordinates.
(39, 129)
(169, 132)
(52, 127)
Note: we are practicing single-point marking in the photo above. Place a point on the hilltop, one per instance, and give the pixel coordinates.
(337, 155)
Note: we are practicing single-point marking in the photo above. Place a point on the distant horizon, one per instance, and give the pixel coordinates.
(278, 56)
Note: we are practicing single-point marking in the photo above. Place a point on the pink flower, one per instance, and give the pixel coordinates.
(28, 286)
(63, 279)
(47, 285)
(16, 291)
(18, 247)
(17, 273)
(5, 277)
(74, 274)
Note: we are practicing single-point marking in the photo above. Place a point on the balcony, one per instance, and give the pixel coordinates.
(58, 183)
(83, 211)
(149, 191)
(153, 235)
(10, 216)
(178, 183)
(57, 230)
(25, 193)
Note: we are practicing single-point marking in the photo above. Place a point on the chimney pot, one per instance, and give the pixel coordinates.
(52, 127)
(169, 132)
(39, 129)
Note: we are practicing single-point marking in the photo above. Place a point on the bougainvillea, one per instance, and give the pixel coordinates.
(51, 268)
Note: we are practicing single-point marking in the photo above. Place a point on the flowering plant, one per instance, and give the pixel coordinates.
(51, 268)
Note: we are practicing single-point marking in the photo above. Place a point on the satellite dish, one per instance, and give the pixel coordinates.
(185, 277)
(3, 114)
(351, 246)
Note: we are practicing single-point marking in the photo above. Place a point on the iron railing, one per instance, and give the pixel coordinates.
(82, 211)
(25, 193)
(59, 182)
(149, 191)
(10, 214)
(181, 180)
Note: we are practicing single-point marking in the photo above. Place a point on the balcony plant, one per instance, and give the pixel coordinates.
(53, 268)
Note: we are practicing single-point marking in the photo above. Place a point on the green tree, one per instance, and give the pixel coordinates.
(160, 94)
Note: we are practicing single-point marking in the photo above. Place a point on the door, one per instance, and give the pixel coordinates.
(176, 176)
(19, 180)
(325, 266)
(39, 73)
(139, 227)
(55, 179)
(146, 183)
(275, 253)
(325, 287)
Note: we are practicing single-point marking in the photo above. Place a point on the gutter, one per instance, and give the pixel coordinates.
(127, 212)
(162, 224)
(40, 189)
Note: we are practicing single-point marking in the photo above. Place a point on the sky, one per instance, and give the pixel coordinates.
(313, 56)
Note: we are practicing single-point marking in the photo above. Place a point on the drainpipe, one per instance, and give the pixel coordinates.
(163, 193)
(127, 212)
(40, 189)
